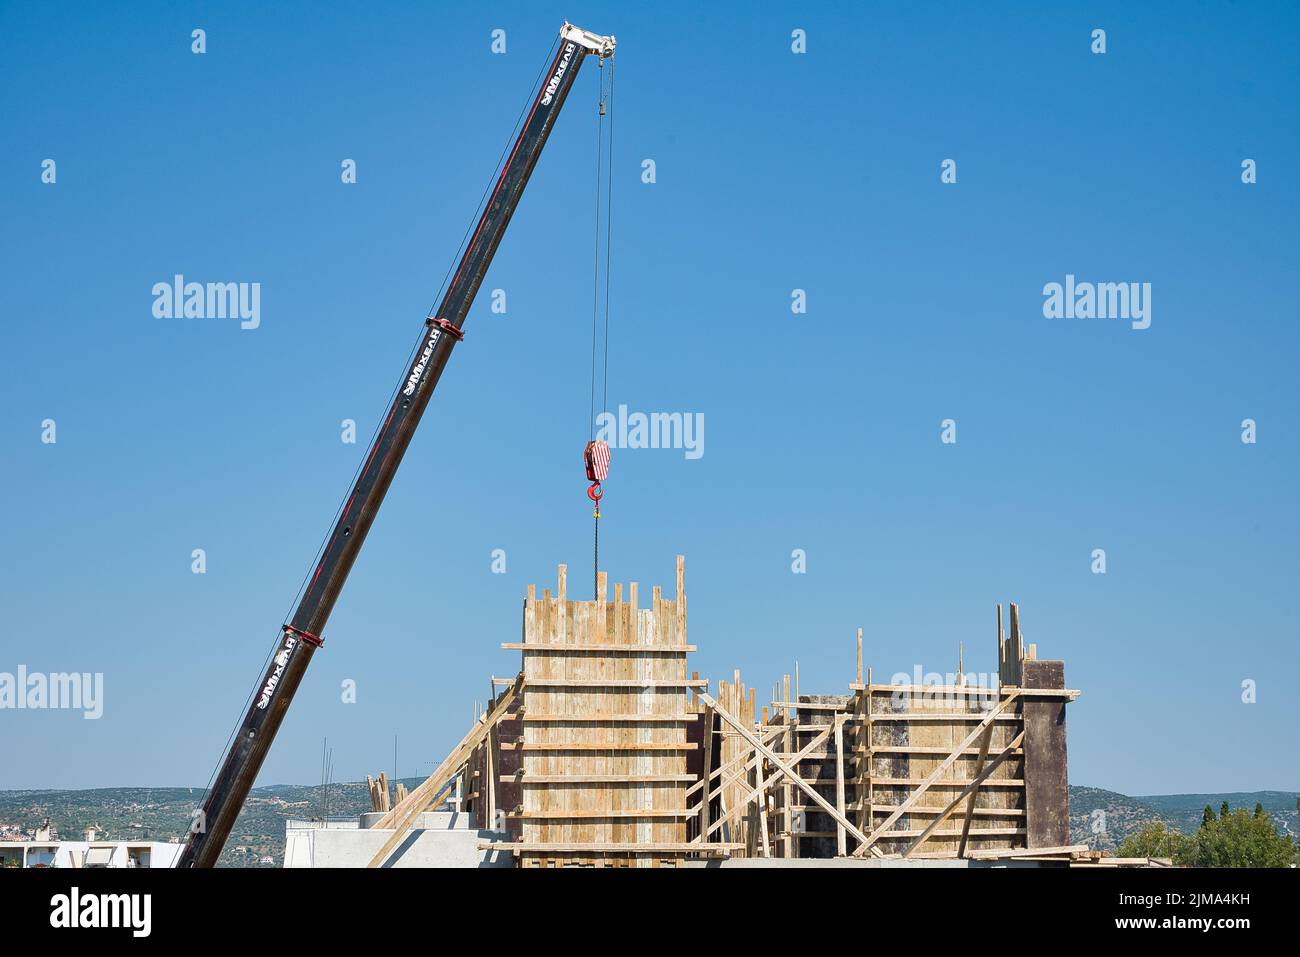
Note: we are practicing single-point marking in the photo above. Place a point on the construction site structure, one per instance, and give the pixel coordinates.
(605, 749)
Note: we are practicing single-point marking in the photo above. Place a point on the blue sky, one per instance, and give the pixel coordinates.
(775, 171)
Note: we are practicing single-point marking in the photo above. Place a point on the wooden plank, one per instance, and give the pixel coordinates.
(989, 832)
(706, 770)
(573, 815)
(548, 779)
(999, 853)
(571, 648)
(972, 691)
(994, 783)
(610, 848)
(974, 791)
(607, 717)
(611, 746)
(618, 683)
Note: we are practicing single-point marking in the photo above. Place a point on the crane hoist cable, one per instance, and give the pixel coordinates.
(596, 456)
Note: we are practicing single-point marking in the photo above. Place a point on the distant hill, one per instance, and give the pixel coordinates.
(1184, 811)
(163, 814)
(1099, 818)
(1103, 819)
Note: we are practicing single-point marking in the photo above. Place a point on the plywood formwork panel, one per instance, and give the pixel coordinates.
(605, 742)
(914, 733)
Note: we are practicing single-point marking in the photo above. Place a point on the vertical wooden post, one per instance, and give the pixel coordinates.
(1002, 651)
(706, 773)
(787, 793)
(841, 847)
(1017, 652)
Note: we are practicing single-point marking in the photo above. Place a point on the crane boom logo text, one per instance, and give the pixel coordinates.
(281, 662)
(414, 378)
(560, 70)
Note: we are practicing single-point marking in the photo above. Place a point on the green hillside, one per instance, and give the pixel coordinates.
(1100, 818)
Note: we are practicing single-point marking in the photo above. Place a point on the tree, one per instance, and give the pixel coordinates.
(1154, 840)
(1232, 839)
(1238, 839)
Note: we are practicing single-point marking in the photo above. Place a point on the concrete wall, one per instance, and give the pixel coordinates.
(439, 839)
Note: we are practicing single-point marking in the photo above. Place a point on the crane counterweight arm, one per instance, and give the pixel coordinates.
(299, 639)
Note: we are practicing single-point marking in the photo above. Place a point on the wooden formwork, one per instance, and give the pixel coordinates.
(603, 752)
(930, 770)
(606, 709)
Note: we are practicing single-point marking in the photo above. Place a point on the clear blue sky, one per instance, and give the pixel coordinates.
(775, 171)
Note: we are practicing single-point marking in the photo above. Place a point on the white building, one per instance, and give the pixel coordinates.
(89, 852)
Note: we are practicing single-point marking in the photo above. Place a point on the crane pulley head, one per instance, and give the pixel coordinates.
(594, 42)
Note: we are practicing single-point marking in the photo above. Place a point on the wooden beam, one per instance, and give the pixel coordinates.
(970, 807)
(997, 854)
(638, 848)
(569, 648)
(841, 847)
(706, 769)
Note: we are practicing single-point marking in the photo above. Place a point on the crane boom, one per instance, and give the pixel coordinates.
(300, 638)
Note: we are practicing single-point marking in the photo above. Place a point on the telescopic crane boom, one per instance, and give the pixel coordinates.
(300, 638)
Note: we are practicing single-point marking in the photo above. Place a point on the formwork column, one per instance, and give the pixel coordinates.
(1047, 797)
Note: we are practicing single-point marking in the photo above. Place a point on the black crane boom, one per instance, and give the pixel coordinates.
(300, 638)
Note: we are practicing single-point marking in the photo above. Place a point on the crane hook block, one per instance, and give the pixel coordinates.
(597, 459)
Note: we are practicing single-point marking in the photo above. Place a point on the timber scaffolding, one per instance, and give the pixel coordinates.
(595, 754)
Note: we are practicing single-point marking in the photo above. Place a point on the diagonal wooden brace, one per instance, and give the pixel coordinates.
(784, 768)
